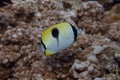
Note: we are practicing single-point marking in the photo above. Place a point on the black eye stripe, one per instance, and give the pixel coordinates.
(75, 32)
(55, 32)
(43, 44)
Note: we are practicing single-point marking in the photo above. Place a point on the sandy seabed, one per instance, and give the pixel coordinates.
(94, 56)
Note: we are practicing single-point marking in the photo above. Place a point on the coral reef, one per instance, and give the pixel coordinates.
(94, 56)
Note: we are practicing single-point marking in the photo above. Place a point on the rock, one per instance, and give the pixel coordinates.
(97, 49)
(80, 65)
(99, 79)
(92, 58)
(90, 69)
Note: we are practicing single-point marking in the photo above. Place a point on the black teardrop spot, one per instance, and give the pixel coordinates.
(55, 33)
(75, 32)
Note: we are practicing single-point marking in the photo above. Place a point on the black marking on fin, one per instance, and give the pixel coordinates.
(75, 32)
